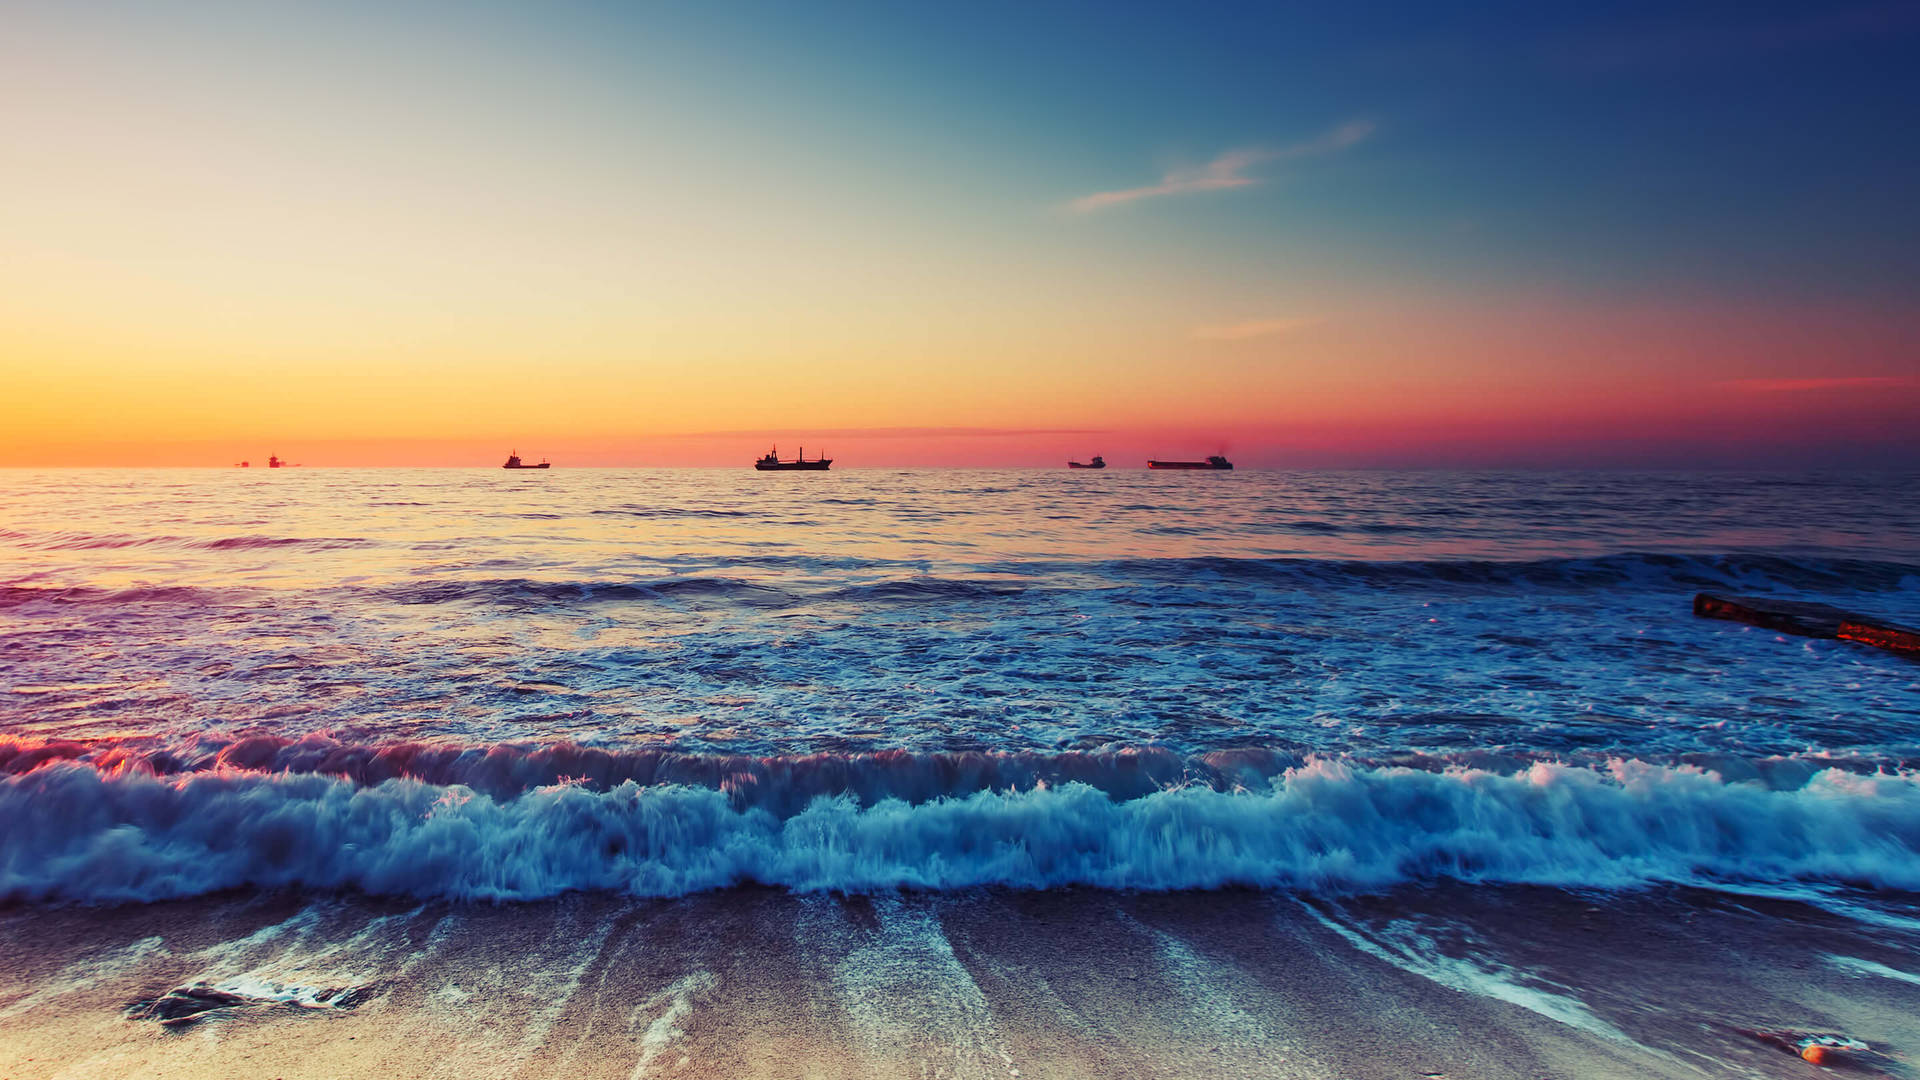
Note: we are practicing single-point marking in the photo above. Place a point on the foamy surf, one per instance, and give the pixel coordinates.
(75, 833)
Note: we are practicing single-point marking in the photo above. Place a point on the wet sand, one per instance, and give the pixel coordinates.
(1442, 982)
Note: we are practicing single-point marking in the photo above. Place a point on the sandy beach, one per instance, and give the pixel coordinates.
(1452, 982)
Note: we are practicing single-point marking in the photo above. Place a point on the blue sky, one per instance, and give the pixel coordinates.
(958, 215)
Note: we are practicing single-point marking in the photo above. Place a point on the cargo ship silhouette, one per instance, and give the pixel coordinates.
(772, 462)
(514, 462)
(1214, 461)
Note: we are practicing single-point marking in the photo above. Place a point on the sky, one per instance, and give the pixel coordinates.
(968, 234)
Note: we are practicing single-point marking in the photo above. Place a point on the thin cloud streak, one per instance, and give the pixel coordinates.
(1253, 328)
(1229, 170)
(1788, 386)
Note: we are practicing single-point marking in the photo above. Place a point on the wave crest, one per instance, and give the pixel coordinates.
(1625, 570)
(74, 832)
(1632, 571)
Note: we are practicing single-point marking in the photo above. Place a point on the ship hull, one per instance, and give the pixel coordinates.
(1080, 465)
(1195, 465)
(542, 465)
(793, 466)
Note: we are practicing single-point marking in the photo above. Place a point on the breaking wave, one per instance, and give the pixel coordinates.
(786, 784)
(84, 541)
(905, 582)
(1633, 570)
(1626, 570)
(72, 832)
(519, 591)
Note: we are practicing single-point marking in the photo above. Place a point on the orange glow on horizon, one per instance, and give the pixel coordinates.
(1456, 384)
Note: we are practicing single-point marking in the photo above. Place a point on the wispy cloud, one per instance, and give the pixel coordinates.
(1252, 328)
(1853, 382)
(1229, 170)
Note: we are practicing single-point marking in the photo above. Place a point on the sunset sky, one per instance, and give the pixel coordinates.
(424, 233)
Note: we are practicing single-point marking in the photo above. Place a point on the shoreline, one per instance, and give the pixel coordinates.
(1459, 981)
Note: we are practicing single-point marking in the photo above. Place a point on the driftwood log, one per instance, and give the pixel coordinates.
(1809, 620)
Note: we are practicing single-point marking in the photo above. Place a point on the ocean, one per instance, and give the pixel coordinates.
(952, 772)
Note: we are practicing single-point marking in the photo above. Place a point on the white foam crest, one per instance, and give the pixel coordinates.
(1829, 898)
(674, 1004)
(907, 994)
(1870, 967)
(73, 833)
(1213, 999)
(268, 991)
(1399, 943)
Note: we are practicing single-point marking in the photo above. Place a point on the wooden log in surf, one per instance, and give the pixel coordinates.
(1809, 620)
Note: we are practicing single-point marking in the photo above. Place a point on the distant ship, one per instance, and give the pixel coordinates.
(772, 462)
(514, 462)
(274, 462)
(1214, 461)
(1098, 462)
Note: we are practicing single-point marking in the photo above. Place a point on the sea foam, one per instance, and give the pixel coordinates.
(73, 832)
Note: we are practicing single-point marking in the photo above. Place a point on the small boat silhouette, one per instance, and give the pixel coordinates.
(1214, 461)
(772, 462)
(514, 462)
(1098, 462)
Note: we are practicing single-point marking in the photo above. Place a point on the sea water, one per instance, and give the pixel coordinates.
(489, 684)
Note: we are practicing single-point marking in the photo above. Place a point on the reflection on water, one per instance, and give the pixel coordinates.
(728, 610)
